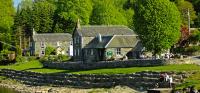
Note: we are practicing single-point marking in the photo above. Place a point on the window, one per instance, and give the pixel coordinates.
(76, 39)
(74, 52)
(42, 45)
(86, 52)
(43, 52)
(92, 52)
(71, 43)
(118, 51)
(78, 52)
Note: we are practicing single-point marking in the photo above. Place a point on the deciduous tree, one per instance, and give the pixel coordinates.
(157, 24)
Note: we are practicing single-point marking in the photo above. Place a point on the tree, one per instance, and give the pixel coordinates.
(69, 11)
(157, 24)
(106, 13)
(6, 21)
(183, 7)
(23, 24)
(42, 16)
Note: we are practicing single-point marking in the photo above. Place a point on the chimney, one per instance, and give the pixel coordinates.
(78, 25)
(34, 33)
(99, 37)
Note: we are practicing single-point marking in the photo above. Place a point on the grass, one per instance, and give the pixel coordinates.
(177, 68)
(33, 65)
(36, 66)
(193, 80)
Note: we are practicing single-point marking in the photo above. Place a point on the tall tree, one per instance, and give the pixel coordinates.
(6, 21)
(185, 7)
(69, 11)
(157, 24)
(42, 16)
(106, 13)
(23, 24)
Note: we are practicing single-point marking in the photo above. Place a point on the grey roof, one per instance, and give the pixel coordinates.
(104, 30)
(125, 41)
(52, 37)
(116, 41)
(96, 44)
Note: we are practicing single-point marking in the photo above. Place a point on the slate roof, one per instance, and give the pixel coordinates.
(104, 30)
(116, 41)
(125, 41)
(96, 44)
(52, 37)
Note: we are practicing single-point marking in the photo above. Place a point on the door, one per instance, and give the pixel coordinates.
(101, 54)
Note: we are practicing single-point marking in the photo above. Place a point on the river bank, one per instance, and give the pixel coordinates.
(22, 88)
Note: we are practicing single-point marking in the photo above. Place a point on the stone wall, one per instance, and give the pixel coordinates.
(140, 80)
(98, 65)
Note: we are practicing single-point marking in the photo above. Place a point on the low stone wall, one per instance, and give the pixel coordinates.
(144, 80)
(103, 64)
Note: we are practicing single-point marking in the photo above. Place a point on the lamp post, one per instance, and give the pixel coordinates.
(189, 20)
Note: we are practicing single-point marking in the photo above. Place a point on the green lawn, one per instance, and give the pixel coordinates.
(36, 66)
(33, 65)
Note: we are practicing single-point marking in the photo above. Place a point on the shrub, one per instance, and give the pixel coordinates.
(55, 58)
(63, 58)
(4, 54)
(49, 50)
(192, 49)
(178, 50)
(18, 51)
(20, 59)
(44, 59)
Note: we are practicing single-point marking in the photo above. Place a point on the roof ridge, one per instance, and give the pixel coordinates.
(104, 26)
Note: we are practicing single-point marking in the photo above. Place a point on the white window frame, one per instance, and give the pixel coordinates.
(78, 52)
(42, 45)
(118, 51)
(74, 52)
(43, 52)
(91, 52)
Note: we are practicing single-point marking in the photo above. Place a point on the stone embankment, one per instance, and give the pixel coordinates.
(104, 64)
(140, 80)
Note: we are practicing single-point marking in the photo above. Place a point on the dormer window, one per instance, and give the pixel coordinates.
(42, 45)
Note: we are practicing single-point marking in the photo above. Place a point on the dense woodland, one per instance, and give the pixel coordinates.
(60, 16)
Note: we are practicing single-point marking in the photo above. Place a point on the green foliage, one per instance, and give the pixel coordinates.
(106, 13)
(6, 15)
(63, 58)
(55, 58)
(195, 37)
(69, 11)
(192, 49)
(18, 51)
(158, 24)
(49, 50)
(42, 16)
(20, 59)
(183, 7)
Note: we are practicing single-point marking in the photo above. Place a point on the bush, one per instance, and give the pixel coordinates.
(63, 58)
(179, 50)
(192, 49)
(55, 58)
(20, 59)
(18, 51)
(4, 54)
(49, 50)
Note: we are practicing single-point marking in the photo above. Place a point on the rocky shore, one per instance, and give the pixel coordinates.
(22, 88)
